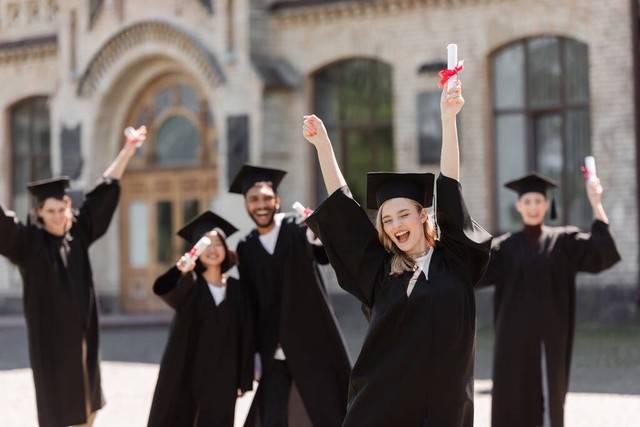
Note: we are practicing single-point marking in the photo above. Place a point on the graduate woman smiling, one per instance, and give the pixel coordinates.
(208, 360)
(416, 364)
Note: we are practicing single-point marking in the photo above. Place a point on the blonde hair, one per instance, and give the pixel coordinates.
(400, 260)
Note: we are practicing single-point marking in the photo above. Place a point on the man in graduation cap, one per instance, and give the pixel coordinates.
(298, 338)
(52, 253)
(533, 271)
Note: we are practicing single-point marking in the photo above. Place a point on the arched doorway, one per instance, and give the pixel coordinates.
(168, 183)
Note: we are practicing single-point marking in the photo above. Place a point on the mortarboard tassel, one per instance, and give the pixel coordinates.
(554, 211)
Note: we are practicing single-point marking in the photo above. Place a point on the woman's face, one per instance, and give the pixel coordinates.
(532, 207)
(56, 215)
(215, 254)
(404, 224)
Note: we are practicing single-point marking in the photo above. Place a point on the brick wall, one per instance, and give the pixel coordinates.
(407, 34)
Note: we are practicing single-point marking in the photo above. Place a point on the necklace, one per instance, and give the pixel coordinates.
(420, 254)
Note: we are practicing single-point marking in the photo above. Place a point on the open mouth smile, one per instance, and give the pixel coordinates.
(402, 236)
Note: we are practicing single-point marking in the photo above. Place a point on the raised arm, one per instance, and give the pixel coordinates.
(174, 286)
(314, 131)
(594, 193)
(100, 204)
(460, 234)
(119, 165)
(595, 251)
(13, 240)
(350, 240)
(451, 103)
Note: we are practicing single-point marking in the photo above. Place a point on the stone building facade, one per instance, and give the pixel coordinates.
(223, 82)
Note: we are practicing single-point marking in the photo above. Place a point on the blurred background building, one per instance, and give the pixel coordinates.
(223, 82)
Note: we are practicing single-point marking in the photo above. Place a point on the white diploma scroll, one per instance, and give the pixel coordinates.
(301, 212)
(590, 165)
(452, 62)
(197, 250)
(131, 133)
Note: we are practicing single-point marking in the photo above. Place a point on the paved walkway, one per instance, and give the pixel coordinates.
(129, 387)
(605, 379)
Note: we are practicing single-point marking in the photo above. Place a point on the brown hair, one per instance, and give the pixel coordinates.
(401, 261)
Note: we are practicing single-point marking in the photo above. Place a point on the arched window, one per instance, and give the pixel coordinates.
(541, 113)
(176, 142)
(30, 148)
(354, 99)
(179, 121)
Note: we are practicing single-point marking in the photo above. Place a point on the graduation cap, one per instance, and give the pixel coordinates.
(203, 224)
(382, 186)
(534, 183)
(51, 187)
(249, 175)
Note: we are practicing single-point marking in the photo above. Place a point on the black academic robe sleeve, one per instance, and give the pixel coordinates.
(351, 243)
(319, 254)
(98, 208)
(460, 234)
(494, 272)
(249, 289)
(247, 342)
(13, 237)
(591, 252)
(174, 287)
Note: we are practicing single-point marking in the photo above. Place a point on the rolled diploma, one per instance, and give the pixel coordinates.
(299, 208)
(301, 212)
(452, 62)
(130, 132)
(590, 164)
(196, 251)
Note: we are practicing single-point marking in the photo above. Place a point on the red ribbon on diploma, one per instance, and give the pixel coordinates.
(585, 172)
(445, 75)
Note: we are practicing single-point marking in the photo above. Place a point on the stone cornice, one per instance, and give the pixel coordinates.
(150, 31)
(305, 12)
(29, 48)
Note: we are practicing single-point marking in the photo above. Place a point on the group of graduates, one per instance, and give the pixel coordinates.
(414, 273)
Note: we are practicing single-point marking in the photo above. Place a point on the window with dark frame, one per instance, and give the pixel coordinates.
(541, 122)
(354, 99)
(429, 127)
(30, 135)
(179, 121)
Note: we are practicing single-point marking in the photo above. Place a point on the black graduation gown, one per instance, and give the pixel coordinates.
(416, 364)
(209, 354)
(60, 306)
(291, 307)
(534, 302)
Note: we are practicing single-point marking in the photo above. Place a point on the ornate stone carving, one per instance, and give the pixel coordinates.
(28, 14)
(29, 49)
(312, 12)
(151, 31)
